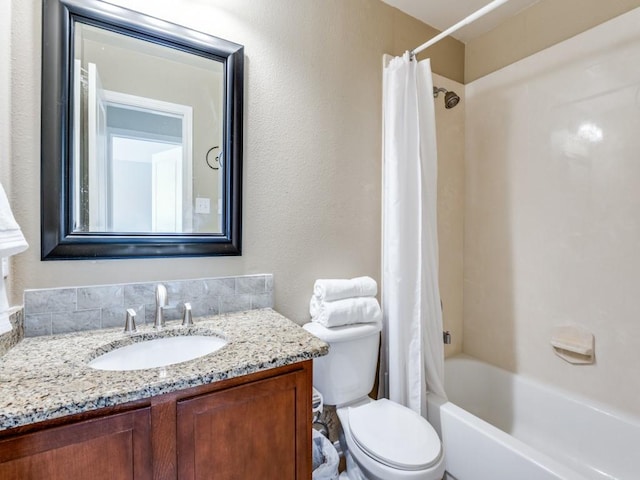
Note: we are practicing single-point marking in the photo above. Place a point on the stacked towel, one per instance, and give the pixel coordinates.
(330, 290)
(343, 302)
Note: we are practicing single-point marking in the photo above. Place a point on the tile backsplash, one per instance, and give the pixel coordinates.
(63, 310)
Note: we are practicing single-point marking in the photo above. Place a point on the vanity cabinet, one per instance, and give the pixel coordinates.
(250, 431)
(254, 426)
(106, 448)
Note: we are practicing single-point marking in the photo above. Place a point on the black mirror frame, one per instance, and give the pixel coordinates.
(58, 241)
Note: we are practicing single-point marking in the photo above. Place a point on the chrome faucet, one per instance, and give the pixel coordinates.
(161, 303)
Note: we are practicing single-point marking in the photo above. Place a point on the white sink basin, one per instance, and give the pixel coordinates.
(158, 352)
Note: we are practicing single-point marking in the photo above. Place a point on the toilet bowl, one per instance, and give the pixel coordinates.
(391, 442)
(382, 440)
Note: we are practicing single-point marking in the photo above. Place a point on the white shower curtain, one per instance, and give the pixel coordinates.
(413, 351)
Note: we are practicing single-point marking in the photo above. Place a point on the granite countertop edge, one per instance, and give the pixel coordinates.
(44, 378)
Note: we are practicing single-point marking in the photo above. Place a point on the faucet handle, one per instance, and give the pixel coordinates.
(187, 317)
(130, 322)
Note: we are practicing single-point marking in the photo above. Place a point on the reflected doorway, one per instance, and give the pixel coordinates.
(147, 174)
(138, 173)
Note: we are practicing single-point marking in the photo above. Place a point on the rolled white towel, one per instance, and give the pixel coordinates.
(329, 290)
(314, 306)
(347, 311)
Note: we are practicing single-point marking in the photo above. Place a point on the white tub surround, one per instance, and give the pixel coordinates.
(551, 211)
(500, 426)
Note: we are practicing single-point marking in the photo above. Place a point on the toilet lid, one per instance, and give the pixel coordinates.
(394, 435)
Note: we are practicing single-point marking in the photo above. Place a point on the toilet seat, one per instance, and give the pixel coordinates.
(394, 435)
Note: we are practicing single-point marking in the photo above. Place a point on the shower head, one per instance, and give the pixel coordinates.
(451, 99)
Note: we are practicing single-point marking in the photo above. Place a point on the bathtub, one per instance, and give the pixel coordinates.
(501, 426)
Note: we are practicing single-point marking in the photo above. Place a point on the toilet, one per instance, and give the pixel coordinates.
(382, 440)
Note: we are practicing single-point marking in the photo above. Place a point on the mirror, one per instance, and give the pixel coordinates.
(141, 136)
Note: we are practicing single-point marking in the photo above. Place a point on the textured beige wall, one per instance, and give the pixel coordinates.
(5, 99)
(551, 211)
(451, 150)
(312, 141)
(542, 25)
(6, 118)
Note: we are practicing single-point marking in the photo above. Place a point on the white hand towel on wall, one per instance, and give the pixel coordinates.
(348, 311)
(336, 289)
(12, 240)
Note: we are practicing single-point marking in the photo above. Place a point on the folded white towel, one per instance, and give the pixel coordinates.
(12, 240)
(336, 289)
(347, 311)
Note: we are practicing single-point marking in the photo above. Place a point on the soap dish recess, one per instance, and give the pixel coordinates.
(573, 344)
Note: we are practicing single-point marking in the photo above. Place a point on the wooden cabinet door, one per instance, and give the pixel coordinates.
(259, 430)
(107, 448)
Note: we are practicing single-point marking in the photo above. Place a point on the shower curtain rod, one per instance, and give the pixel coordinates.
(462, 23)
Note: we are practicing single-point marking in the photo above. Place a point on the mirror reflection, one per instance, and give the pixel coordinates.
(147, 136)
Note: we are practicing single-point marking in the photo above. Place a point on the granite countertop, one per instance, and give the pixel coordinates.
(43, 378)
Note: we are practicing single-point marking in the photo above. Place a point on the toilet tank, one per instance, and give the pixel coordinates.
(347, 372)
